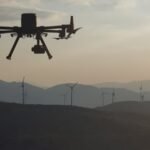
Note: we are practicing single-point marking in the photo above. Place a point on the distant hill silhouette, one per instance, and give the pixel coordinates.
(12, 92)
(133, 85)
(36, 127)
(83, 95)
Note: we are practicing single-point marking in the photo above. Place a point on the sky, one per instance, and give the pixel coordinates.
(113, 45)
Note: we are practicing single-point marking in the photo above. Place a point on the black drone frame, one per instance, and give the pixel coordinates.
(30, 29)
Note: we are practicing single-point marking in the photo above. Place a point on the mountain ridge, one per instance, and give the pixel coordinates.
(132, 85)
(83, 95)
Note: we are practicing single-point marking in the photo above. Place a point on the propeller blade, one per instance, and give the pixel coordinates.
(77, 29)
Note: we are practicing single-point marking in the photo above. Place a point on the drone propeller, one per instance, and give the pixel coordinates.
(71, 29)
(74, 31)
(77, 29)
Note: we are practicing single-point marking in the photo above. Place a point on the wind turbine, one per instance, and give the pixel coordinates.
(23, 91)
(64, 97)
(103, 97)
(141, 93)
(71, 86)
(104, 94)
(113, 95)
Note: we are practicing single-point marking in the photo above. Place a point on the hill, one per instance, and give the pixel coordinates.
(36, 127)
(121, 94)
(83, 95)
(12, 92)
(129, 107)
(133, 85)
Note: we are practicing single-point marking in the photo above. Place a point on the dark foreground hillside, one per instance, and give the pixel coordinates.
(65, 128)
(129, 106)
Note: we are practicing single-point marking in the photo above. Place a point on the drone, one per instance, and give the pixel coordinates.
(30, 29)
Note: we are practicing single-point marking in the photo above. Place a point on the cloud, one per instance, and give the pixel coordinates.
(122, 13)
(80, 2)
(105, 5)
(36, 2)
(8, 2)
(13, 13)
(101, 3)
(70, 2)
(9, 13)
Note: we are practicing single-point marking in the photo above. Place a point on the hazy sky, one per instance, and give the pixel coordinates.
(114, 44)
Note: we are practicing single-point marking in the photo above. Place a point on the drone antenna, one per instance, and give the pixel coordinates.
(72, 86)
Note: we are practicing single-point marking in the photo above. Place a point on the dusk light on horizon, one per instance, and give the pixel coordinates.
(113, 45)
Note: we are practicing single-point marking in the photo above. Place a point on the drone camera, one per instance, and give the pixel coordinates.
(38, 49)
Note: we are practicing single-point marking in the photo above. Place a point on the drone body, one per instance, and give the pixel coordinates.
(30, 29)
(28, 23)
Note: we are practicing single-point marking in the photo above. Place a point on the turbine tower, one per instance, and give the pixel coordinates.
(23, 91)
(113, 95)
(72, 86)
(103, 97)
(64, 97)
(141, 93)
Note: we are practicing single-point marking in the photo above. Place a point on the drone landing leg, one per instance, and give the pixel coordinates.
(46, 49)
(13, 48)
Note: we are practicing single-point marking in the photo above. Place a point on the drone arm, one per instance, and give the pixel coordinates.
(55, 27)
(5, 27)
(13, 48)
(46, 49)
(52, 31)
(7, 31)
